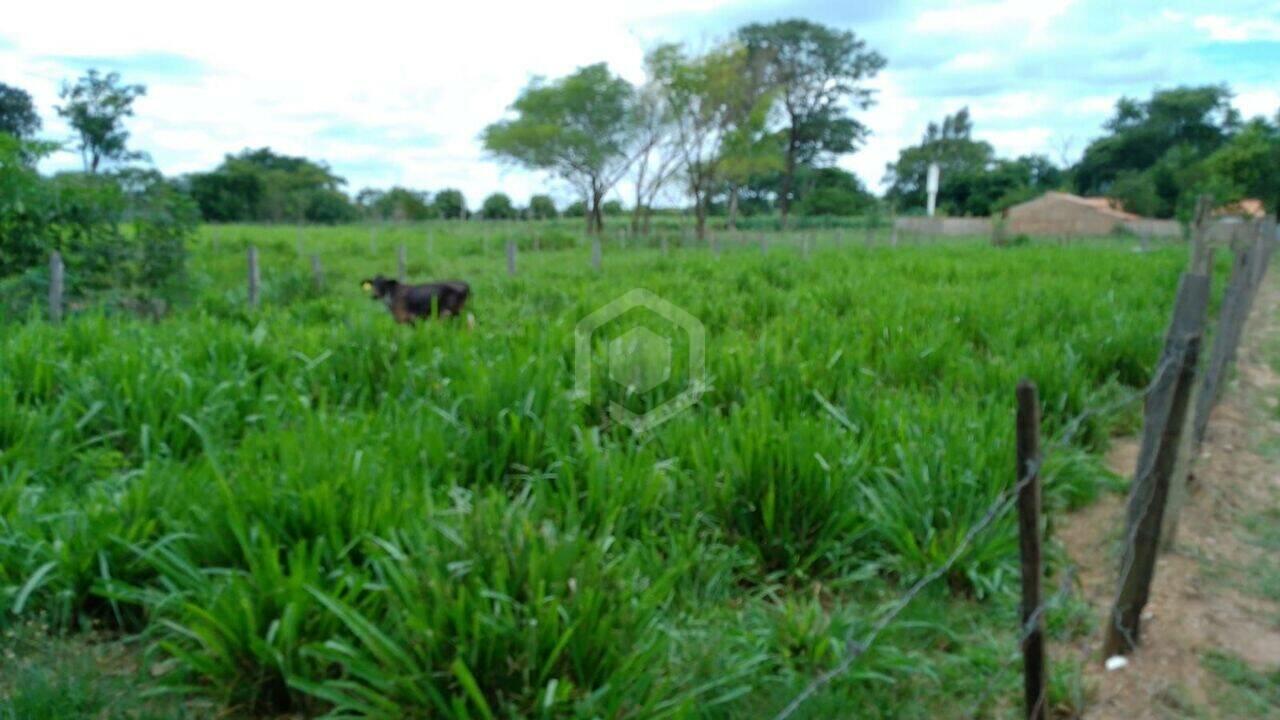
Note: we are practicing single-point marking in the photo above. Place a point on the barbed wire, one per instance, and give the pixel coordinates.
(854, 649)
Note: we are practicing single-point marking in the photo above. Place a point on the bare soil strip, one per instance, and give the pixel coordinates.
(1205, 597)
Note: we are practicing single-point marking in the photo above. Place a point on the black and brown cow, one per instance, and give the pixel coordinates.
(408, 303)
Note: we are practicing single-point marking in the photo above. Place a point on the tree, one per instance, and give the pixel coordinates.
(705, 94)
(450, 204)
(17, 113)
(832, 191)
(95, 107)
(657, 159)
(542, 207)
(264, 186)
(950, 145)
(578, 127)
(497, 207)
(1247, 166)
(819, 73)
(1165, 137)
(398, 203)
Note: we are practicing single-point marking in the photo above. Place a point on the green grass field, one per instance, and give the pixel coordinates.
(307, 508)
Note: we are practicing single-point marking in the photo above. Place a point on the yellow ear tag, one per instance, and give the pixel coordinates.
(367, 286)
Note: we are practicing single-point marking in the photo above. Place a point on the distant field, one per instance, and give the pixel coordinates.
(306, 507)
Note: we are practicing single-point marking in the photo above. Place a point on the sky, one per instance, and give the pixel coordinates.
(397, 93)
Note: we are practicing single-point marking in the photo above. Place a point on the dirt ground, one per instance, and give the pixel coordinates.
(1204, 598)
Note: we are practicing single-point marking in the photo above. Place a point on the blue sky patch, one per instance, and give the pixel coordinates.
(139, 67)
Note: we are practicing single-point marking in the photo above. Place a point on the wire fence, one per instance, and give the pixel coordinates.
(855, 648)
(1167, 405)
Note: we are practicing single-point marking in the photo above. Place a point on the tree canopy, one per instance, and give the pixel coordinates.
(820, 74)
(95, 107)
(264, 186)
(18, 115)
(578, 127)
(497, 206)
(1152, 147)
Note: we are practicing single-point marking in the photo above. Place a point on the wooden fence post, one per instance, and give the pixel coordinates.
(253, 277)
(56, 278)
(1201, 266)
(1164, 417)
(596, 252)
(511, 258)
(804, 247)
(1031, 630)
(764, 243)
(317, 272)
(1231, 319)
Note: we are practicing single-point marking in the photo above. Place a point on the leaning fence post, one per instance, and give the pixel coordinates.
(317, 272)
(1164, 416)
(1231, 317)
(56, 272)
(1201, 266)
(1028, 486)
(511, 258)
(253, 277)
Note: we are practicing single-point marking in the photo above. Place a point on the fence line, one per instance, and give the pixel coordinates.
(1001, 505)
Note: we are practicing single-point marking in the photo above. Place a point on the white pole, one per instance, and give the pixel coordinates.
(934, 173)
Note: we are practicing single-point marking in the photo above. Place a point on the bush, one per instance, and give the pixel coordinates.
(125, 233)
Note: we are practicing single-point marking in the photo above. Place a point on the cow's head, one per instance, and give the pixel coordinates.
(380, 287)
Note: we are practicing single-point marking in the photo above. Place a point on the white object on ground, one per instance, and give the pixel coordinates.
(1117, 662)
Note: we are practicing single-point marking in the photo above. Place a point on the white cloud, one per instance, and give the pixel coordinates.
(1223, 28)
(1259, 101)
(1030, 20)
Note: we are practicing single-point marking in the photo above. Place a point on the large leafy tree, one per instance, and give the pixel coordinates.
(17, 113)
(1246, 166)
(820, 74)
(579, 127)
(1154, 145)
(264, 186)
(96, 107)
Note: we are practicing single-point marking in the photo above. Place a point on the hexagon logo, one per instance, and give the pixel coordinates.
(641, 360)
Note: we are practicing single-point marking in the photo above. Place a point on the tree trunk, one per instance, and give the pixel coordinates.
(788, 177)
(733, 208)
(636, 213)
(700, 214)
(596, 215)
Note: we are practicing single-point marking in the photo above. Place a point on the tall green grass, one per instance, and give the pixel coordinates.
(308, 508)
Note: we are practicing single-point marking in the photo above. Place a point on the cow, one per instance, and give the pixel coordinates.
(408, 303)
